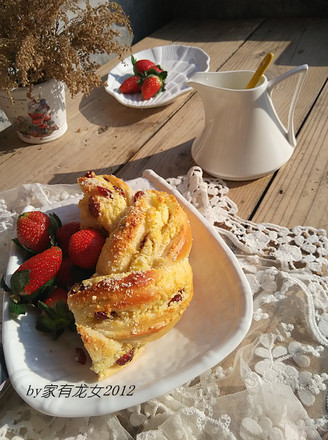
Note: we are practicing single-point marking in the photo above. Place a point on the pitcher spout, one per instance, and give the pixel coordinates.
(242, 137)
(197, 80)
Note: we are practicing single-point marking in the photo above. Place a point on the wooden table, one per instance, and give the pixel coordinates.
(105, 136)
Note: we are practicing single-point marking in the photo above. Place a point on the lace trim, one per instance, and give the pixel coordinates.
(271, 387)
(296, 257)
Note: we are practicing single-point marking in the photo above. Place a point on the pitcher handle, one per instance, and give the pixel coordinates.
(302, 70)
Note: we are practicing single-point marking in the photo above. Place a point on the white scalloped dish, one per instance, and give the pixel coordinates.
(45, 374)
(180, 62)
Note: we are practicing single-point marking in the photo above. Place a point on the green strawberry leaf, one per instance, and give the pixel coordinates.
(55, 320)
(25, 248)
(42, 293)
(55, 223)
(16, 308)
(48, 310)
(3, 285)
(133, 61)
(162, 75)
(141, 79)
(152, 72)
(19, 280)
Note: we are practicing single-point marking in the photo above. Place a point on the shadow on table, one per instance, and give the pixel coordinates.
(10, 142)
(298, 51)
(177, 160)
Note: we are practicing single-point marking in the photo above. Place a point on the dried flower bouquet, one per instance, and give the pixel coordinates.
(44, 39)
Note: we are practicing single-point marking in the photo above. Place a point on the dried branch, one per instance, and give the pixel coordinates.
(44, 39)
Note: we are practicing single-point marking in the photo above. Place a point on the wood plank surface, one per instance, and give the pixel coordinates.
(173, 143)
(294, 42)
(103, 134)
(299, 194)
(106, 136)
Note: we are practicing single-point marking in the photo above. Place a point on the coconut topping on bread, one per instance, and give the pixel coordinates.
(143, 280)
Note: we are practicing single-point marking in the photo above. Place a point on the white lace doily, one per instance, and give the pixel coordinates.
(272, 387)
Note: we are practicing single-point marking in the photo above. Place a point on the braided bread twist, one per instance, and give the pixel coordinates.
(143, 280)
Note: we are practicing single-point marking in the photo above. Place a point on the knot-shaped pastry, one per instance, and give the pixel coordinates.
(143, 280)
(105, 201)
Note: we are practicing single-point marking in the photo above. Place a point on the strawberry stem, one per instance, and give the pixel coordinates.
(55, 320)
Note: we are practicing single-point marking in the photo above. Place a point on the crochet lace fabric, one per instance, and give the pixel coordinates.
(273, 386)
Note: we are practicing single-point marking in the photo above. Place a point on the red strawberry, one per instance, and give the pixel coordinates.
(36, 271)
(33, 230)
(130, 85)
(36, 230)
(64, 233)
(152, 85)
(64, 275)
(70, 274)
(142, 66)
(57, 295)
(85, 246)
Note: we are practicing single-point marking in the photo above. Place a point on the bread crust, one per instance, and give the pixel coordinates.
(105, 201)
(120, 312)
(143, 281)
(155, 232)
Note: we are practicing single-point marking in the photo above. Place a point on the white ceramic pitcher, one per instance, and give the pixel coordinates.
(243, 137)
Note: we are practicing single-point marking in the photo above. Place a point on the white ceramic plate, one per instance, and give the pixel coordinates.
(181, 62)
(45, 374)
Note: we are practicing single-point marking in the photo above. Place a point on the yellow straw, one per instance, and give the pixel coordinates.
(260, 70)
